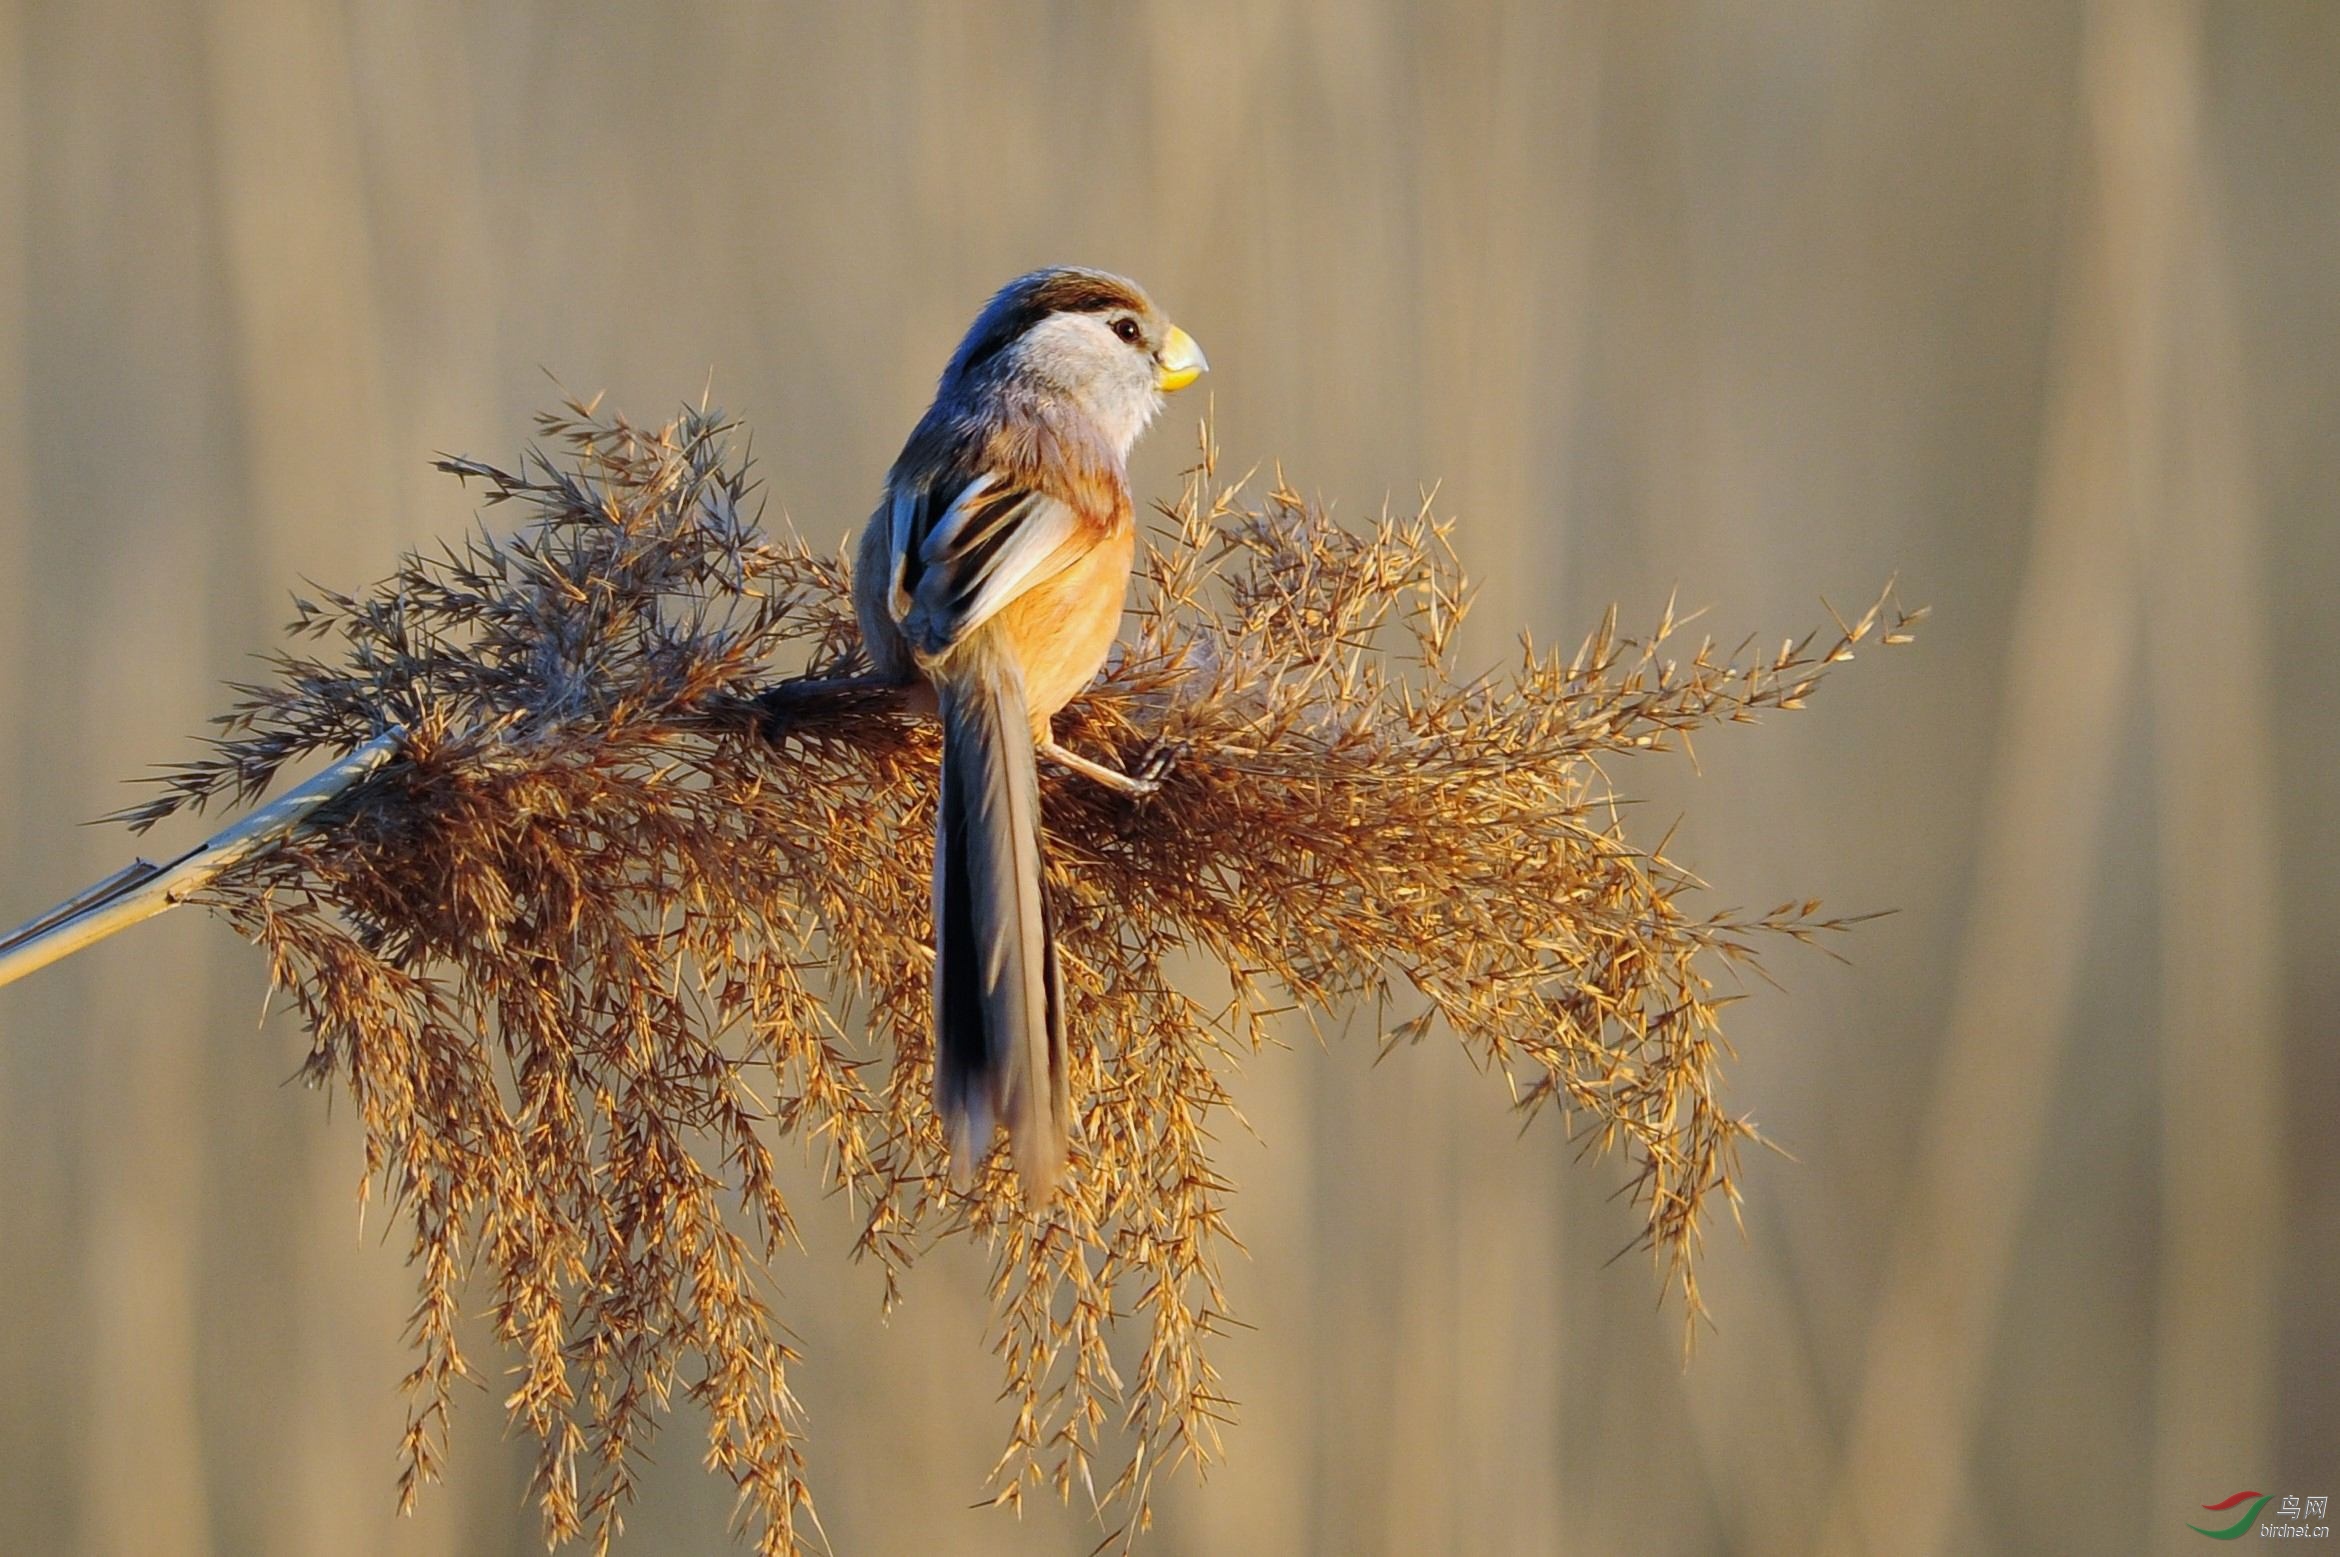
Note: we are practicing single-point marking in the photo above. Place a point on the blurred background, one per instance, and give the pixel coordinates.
(2032, 303)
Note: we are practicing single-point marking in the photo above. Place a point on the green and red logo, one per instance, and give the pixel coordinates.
(2235, 1531)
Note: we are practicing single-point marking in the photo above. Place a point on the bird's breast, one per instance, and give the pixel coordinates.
(1062, 628)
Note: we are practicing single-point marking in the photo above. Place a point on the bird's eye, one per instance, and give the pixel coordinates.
(1127, 329)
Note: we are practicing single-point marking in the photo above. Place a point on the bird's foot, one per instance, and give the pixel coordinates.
(1157, 761)
(1143, 784)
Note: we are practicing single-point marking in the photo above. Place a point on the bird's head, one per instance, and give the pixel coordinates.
(1085, 335)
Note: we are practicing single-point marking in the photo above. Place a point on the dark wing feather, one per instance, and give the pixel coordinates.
(961, 555)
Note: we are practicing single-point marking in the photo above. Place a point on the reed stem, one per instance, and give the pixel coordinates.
(142, 889)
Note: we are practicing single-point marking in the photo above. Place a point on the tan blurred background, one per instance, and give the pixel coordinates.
(2034, 303)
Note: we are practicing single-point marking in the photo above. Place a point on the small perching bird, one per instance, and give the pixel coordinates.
(994, 573)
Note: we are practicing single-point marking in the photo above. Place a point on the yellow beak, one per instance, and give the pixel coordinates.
(1180, 361)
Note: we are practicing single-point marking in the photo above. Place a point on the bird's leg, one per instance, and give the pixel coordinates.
(1112, 778)
(1141, 785)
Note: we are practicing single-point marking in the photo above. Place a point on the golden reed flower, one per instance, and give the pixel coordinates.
(623, 914)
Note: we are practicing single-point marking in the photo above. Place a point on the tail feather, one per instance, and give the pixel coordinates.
(998, 993)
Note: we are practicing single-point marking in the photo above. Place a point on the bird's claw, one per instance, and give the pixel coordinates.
(1155, 765)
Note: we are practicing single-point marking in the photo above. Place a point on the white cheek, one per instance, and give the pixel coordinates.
(1133, 402)
(1113, 380)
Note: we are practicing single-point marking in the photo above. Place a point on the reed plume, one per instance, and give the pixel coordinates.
(624, 913)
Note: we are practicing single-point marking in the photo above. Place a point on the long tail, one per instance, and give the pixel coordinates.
(998, 997)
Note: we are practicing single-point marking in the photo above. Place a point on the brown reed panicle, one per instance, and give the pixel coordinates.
(625, 914)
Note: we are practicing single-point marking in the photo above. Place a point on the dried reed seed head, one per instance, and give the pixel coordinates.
(619, 921)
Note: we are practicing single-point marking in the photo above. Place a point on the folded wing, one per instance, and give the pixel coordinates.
(962, 555)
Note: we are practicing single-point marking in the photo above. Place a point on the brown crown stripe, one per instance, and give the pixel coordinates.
(1082, 292)
(1034, 298)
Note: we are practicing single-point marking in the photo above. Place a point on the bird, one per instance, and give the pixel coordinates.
(989, 585)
